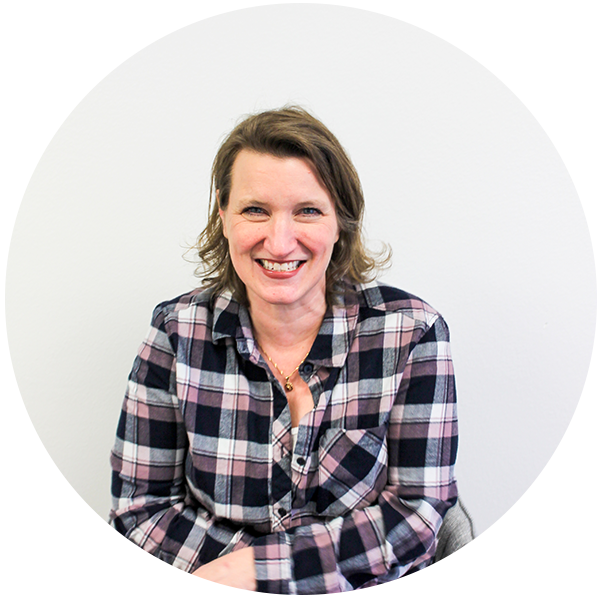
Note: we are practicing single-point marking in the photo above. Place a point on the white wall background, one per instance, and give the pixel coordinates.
(459, 177)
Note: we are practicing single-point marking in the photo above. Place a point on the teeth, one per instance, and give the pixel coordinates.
(273, 266)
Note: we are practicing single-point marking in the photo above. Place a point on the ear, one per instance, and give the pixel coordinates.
(223, 223)
(221, 215)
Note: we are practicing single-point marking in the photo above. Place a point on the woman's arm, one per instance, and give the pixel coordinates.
(397, 534)
(150, 504)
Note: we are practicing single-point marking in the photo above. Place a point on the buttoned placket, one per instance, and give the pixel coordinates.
(280, 492)
(281, 488)
(289, 466)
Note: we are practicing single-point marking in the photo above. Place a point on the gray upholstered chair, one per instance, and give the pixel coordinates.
(459, 566)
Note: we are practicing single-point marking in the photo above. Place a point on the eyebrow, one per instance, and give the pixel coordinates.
(250, 201)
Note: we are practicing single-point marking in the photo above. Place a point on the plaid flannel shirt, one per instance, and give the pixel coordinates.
(204, 462)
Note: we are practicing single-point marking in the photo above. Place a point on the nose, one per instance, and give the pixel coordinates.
(280, 239)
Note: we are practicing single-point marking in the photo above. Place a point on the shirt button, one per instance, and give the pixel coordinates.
(282, 512)
(306, 369)
(300, 461)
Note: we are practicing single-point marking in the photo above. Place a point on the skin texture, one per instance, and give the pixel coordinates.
(235, 570)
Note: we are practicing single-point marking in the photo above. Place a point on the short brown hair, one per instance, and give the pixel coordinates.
(289, 132)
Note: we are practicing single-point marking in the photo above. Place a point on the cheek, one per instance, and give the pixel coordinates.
(243, 239)
(327, 241)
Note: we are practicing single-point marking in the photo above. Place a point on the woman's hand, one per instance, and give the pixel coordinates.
(235, 570)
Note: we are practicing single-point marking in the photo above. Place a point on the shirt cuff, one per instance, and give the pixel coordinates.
(273, 563)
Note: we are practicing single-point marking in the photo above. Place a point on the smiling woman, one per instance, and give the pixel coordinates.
(290, 426)
(289, 133)
(281, 227)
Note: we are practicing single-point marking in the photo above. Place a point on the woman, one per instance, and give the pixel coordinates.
(290, 427)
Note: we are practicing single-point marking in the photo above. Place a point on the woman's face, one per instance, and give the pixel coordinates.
(281, 226)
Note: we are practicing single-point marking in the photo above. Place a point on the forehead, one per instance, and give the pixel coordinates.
(255, 172)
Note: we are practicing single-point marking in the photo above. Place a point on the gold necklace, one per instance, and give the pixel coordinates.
(287, 385)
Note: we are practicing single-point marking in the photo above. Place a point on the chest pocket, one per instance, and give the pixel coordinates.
(352, 469)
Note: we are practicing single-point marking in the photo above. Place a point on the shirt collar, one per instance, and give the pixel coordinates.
(331, 346)
(231, 320)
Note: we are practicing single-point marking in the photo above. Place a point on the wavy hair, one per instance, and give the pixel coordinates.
(290, 132)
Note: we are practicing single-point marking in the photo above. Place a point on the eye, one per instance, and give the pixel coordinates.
(253, 210)
(311, 211)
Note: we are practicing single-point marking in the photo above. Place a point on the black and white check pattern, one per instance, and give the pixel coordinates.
(203, 461)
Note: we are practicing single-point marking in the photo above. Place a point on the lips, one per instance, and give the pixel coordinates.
(276, 267)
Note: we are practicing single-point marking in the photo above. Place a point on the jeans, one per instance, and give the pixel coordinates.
(161, 583)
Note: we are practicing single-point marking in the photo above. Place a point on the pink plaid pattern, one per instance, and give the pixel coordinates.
(204, 464)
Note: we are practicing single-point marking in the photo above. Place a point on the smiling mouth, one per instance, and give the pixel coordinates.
(280, 267)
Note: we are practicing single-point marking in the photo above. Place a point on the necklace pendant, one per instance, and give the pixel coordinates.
(288, 386)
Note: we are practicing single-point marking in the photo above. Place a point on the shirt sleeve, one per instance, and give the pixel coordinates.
(149, 501)
(397, 534)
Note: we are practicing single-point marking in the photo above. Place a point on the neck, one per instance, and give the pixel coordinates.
(286, 331)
